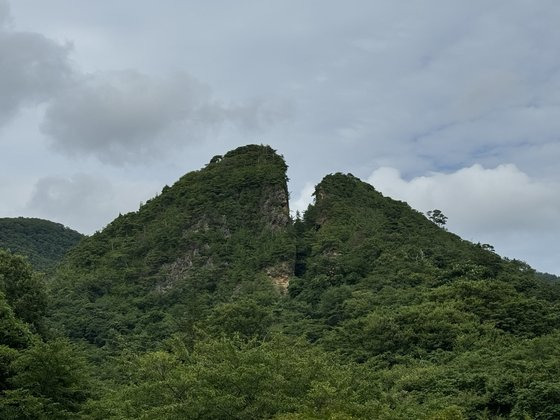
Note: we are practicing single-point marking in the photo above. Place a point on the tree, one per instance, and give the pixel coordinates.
(48, 380)
(23, 289)
(437, 217)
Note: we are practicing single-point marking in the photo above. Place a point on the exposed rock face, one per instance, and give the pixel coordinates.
(180, 270)
(281, 282)
(276, 212)
(275, 215)
(280, 274)
(275, 209)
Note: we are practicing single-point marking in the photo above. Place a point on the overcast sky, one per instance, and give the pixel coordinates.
(446, 104)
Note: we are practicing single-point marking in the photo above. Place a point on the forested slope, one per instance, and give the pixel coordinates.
(209, 302)
(42, 241)
(216, 233)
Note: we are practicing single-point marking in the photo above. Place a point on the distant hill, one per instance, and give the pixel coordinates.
(42, 241)
(548, 277)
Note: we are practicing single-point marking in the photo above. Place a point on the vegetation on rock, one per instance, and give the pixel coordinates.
(210, 302)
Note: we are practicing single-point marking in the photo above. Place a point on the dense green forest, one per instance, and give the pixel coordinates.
(42, 241)
(210, 302)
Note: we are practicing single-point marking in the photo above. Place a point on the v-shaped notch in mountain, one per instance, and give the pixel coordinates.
(223, 234)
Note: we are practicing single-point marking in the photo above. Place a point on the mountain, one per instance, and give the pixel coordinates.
(42, 241)
(377, 282)
(217, 232)
(211, 302)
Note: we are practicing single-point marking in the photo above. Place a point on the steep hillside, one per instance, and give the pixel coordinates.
(216, 233)
(42, 241)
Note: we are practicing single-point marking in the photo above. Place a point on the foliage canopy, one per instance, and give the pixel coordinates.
(210, 302)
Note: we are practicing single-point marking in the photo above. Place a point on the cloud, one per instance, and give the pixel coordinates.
(116, 116)
(257, 114)
(497, 205)
(126, 116)
(33, 68)
(15, 192)
(434, 85)
(4, 13)
(305, 198)
(86, 202)
(123, 116)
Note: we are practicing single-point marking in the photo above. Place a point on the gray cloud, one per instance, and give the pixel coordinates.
(128, 116)
(120, 116)
(79, 201)
(33, 68)
(4, 13)
(116, 116)
(86, 202)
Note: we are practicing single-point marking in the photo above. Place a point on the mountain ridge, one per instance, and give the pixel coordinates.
(210, 302)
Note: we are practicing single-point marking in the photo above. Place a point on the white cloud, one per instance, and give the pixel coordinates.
(495, 205)
(304, 199)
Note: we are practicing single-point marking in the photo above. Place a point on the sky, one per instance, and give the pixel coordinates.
(446, 104)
